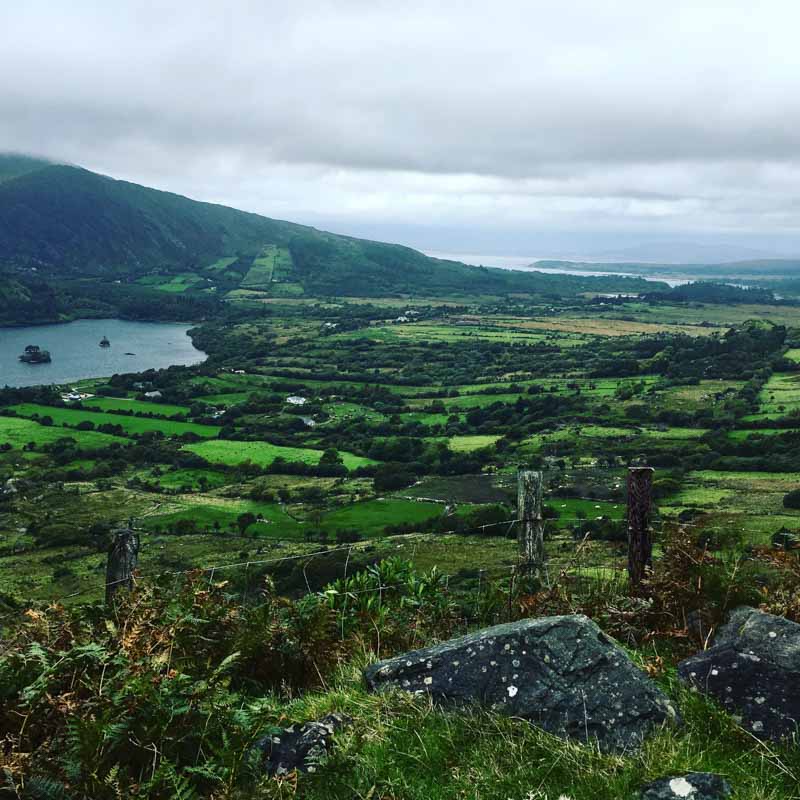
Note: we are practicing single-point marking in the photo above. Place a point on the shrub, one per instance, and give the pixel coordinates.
(792, 499)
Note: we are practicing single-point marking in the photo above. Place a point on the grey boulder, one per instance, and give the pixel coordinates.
(560, 673)
(299, 747)
(694, 786)
(753, 670)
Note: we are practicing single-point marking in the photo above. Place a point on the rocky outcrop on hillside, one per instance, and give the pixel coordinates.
(560, 673)
(753, 670)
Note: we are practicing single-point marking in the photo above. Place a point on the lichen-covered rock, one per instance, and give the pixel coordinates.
(753, 670)
(561, 673)
(694, 786)
(299, 747)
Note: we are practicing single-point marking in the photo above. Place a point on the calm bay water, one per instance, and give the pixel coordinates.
(74, 348)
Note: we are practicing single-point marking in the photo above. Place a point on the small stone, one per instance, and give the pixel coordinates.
(694, 786)
(299, 748)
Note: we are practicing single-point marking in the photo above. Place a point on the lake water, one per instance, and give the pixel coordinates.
(75, 351)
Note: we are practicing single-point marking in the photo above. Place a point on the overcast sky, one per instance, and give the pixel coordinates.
(519, 128)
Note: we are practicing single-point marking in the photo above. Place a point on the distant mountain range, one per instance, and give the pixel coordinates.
(730, 270)
(673, 252)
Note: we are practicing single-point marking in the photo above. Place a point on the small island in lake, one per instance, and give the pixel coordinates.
(104, 342)
(35, 355)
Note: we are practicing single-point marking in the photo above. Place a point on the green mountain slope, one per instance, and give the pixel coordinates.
(66, 219)
(69, 224)
(14, 165)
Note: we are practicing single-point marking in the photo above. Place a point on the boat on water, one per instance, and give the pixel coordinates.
(104, 342)
(35, 355)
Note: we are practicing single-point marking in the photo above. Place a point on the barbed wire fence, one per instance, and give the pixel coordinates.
(585, 565)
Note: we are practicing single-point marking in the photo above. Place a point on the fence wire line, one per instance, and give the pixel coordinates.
(555, 563)
(260, 562)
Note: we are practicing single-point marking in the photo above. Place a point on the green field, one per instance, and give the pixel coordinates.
(466, 444)
(610, 432)
(743, 434)
(174, 284)
(273, 264)
(371, 517)
(134, 406)
(131, 425)
(780, 397)
(346, 412)
(263, 453)
(19, 432)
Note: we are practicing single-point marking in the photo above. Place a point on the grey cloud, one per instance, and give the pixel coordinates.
(514, 115)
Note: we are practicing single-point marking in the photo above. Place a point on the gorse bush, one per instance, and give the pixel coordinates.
(164, 696)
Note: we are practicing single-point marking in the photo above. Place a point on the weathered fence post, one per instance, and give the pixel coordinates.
(531, 525)
(123, 555)
(640, 545)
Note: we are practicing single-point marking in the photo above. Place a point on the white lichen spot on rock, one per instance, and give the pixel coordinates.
(680, 787)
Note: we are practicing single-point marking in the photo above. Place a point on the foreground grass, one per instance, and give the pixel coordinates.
(403, 748)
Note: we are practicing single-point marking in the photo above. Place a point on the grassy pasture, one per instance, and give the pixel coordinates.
(426, 418)
(465, 401)
(273, 264)
(226, 399)
(18, 432)
(610, 432)
(593, 326)
(455, 333)
(750, 503)
(131, 425)
(741, 435)
(372, 516)
(369, 518)
(344, 412)
(135, 406)
(570, 509)
(287, 290)
(174, 284)
(207, 511)
(230, 452)
(779, 396)
(692, 397)
(721, 316)
(466, 444)
(178, 478)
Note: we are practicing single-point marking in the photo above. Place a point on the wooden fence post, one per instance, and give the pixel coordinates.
(123, 556)
(640, 545)
(531, 525)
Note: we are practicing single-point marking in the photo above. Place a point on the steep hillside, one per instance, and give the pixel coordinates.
(62, 223)
(65, 219)
(14, 165)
